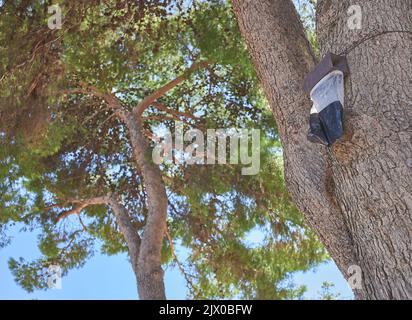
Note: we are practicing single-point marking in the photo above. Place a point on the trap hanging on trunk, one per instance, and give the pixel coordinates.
(325, 84)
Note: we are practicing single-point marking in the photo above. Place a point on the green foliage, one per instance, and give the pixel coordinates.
(57, 146)
(326, 293)
(34, 275)
(218, 216)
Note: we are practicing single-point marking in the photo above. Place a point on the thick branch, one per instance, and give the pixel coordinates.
(146, 102)
(81, 205)
(128, 230)
(112, 101)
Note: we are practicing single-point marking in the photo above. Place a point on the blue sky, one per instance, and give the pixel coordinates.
(111, 277)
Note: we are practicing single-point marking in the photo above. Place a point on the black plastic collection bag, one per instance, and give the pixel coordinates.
(325, 85)
(326, 127)
(316, 133)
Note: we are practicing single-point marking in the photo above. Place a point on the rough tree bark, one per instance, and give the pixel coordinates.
(149, 271)
(356, 195)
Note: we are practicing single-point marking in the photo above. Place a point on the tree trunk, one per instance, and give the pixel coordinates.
(149, 272)
(356, 195)
(145, 253)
